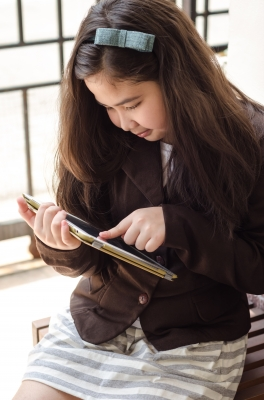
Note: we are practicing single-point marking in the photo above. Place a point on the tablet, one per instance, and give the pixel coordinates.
(117, 248)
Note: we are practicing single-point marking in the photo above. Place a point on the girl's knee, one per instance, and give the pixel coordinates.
(32, 390)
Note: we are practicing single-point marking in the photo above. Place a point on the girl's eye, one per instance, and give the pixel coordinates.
(127, 108)
(132, 107)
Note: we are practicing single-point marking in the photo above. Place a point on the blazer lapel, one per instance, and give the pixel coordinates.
(143, 167)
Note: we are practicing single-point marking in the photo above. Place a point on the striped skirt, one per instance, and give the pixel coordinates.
(129, 367)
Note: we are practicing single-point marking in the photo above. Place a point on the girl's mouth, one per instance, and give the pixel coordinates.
(144, 134)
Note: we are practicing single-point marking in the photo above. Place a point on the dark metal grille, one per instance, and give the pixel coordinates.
(190, 7)
(24, 88)
(17, 228)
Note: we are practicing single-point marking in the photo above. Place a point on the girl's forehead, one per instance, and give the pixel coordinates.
(101, 86)
(101, 79)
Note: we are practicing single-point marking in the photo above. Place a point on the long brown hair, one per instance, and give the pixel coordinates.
(216, 153)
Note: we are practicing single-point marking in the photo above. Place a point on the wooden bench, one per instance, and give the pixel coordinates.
(252, 382)
(39, 329)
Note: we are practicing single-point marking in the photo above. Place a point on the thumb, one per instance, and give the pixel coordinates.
(28, 215)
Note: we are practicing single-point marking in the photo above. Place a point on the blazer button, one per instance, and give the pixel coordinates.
(143, 298)
(160, 260)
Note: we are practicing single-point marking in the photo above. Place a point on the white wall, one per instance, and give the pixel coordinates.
(245, 67)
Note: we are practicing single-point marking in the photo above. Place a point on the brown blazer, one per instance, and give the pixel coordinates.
(207, 302)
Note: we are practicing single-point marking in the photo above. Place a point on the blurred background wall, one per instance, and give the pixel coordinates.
(246, 47)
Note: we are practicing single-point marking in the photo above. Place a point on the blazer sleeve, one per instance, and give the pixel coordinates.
(84, 260)
(238, 262)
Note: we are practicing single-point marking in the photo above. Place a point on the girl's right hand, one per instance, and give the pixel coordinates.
(49, 225)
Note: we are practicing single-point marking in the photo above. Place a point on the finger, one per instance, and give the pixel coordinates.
(42, 226)
(28, 215)
(142, 239)
(48, 217)
(55, 226)
(153, 244)
(67, 239)
(132, 234)
(118, 230)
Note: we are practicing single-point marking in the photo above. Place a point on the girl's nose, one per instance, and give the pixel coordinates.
(127, 124)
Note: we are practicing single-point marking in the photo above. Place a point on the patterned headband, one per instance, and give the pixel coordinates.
(139, 41)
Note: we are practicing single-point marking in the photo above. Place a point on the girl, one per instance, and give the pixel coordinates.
(156, 146)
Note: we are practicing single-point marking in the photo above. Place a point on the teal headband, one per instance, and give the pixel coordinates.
(121, 38)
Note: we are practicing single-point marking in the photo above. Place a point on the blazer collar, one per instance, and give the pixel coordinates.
(143, 166)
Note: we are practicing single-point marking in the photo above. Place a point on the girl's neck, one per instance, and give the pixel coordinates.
(167, 141)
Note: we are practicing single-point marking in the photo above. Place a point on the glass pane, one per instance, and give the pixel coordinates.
(73, 13)
(39, 19)
(29, 65)
(218, 5)
(200, 6)
(67, 49)
(199, 23)
(179, 3)
(217, 29)
(8, 22)
(13, 179)
(43, 124)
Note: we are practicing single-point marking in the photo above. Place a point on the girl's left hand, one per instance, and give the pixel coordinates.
(145, 228)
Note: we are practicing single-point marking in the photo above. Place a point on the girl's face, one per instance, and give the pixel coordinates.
(134, 107)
